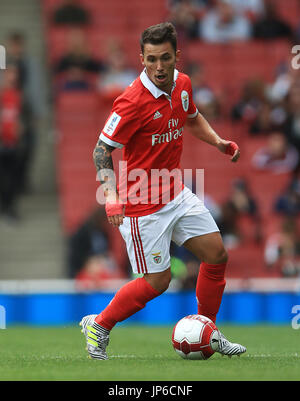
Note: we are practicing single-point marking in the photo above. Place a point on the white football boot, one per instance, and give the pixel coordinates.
(225, 347)
(96, 336)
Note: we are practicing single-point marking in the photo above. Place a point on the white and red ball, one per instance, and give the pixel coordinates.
(195, 337)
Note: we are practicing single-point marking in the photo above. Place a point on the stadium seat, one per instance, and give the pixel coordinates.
(246, 261)
(290, 13)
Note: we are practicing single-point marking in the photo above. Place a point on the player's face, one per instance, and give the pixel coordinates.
(160, 61)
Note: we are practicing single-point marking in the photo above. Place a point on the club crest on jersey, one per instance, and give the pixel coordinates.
(185, 100)
(156, 257)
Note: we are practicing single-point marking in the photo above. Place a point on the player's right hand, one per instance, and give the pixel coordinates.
(115, 213)
(229, 148)
(233, 150)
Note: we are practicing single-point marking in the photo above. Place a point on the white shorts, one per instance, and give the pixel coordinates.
(148, 238)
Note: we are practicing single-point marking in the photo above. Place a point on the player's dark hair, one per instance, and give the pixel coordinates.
(158, 34)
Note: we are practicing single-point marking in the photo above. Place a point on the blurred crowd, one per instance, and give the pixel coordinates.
(220, 21)
(265, 109)
(21, 106)
(78, 70)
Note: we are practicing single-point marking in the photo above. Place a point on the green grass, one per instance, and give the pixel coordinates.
(145, 353)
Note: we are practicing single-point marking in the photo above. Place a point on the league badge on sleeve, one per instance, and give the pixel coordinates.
(112, 124)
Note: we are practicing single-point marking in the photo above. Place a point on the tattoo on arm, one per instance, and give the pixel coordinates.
(102, 156)
(104, 166)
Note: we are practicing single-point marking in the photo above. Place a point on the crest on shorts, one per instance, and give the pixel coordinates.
(185, 100)
(156, 257)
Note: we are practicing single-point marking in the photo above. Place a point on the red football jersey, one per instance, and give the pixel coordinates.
(148, 124)
(10, 106)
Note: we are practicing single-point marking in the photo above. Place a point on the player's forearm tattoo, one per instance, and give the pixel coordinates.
(104, 165)
(102, 156)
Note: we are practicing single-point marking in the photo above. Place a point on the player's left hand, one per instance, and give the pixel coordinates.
(229, 148)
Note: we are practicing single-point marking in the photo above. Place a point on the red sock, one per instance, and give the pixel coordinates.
(131, 298)
(209, 289)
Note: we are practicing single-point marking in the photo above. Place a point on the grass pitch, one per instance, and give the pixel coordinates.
(139, 353)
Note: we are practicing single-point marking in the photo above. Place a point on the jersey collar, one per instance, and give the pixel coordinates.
(153, 89)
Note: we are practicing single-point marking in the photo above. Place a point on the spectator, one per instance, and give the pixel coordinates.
(184, 15)
(90, 259)
(15, 55)
(10, 137)
(282, 249)
(292, 123)
(75, 80)
(96, 270)
(228, 225)
(33, 102)
(118, 74)
(188, 280)
(270, 25)
(262, 123)
(288, 203)
(202, 5)
(278, 156)
(77, 55)
(70, 13)
(184, 267)
(213, 207)
(270, 118)
(204, 97)
(252, 100)
(252, 9)
(297, 33)
(272, 115)
(90, 240)
(285, 76)
(241, 200)
(222, 24)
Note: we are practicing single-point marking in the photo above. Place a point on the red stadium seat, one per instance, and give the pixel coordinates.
(291, 13)
(246, 261)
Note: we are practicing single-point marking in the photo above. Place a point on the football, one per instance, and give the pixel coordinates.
(195, 337)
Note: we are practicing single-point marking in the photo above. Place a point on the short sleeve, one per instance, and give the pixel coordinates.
(192, 110)
(121, 124)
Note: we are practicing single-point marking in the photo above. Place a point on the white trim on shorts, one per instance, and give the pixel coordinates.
(138, 246)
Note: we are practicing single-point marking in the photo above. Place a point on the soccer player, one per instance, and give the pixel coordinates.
(149, 208)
